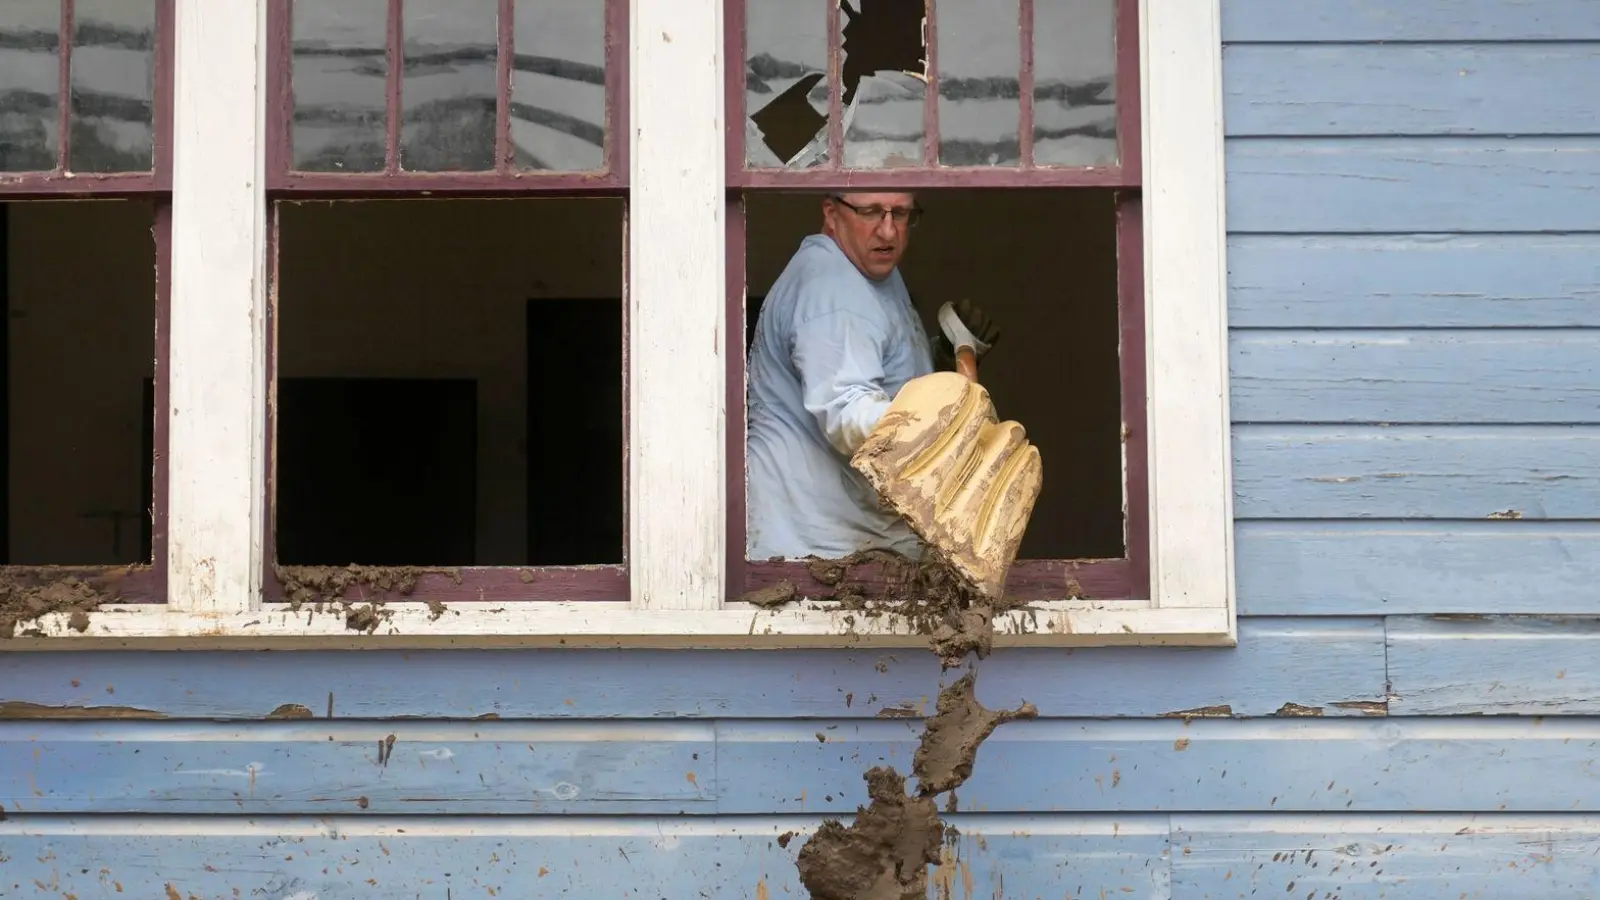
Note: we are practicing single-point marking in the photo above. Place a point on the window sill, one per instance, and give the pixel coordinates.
(606, 625)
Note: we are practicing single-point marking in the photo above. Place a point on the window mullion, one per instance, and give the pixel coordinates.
(677, 337)
(218, 337)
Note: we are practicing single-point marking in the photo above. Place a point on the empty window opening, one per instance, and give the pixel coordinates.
(1043, 265)
(79, 344)
(449, 383)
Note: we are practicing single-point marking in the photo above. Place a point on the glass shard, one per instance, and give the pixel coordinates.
(980, 106)
(786, 86)
(1075, 82)
(30, 85)
(450, 91)
(884, 73)
(113, 86)
(340, 85)
(558, 85)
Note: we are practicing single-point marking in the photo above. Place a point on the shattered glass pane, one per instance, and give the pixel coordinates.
(340, 90)
(558, 85)
(1075, 83)
(450, 92)
(113, 86)
(786, 86)
(30, 84)
(980, 107)
(884, 72)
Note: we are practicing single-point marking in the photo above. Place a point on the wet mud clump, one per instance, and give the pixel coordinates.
(928, 595)
(28, 593)
(321, 587)
(885, 853)
(950, 741)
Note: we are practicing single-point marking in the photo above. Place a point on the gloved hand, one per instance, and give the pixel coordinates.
(977, 322)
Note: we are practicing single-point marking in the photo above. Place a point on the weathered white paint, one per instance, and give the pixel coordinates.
(1191, 539)
(677, 465)
(218, 412)
(607, 624)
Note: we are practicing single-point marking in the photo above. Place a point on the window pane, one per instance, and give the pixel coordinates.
(340, 90)
(558, 85)
(883, 69)
(786, 84)
(980, 57)
(113, 86)
(30, 85)
(1075, 83)
(449, 91)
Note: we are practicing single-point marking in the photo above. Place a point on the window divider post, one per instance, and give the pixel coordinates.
(675, 283)
(216, 408)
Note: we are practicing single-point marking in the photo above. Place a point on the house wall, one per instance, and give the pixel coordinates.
(1413, 262)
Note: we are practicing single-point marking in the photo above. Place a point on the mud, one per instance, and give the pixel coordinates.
(950, 740)
(772, 597)
(321, 587)
(925, 594)
(26, 593)
(885, 853)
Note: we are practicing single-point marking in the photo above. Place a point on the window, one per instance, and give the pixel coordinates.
(437, 231)
(85, 115)
(446, 396)
(1018, 125)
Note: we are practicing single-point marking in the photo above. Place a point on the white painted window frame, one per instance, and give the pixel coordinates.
(677, 545)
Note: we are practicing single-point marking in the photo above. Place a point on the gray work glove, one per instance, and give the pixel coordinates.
(977, 322)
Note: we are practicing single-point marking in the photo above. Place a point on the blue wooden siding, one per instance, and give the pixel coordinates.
(1413, 710)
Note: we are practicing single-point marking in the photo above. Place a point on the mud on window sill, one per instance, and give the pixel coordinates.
(601, 624)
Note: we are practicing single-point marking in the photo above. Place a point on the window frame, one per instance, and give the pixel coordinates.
(504, 180)
(139, 583)
(483, 583)
(677, 357)
(1125, 577)
(62, 182)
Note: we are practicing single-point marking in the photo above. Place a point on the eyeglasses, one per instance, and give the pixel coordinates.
(902, 215)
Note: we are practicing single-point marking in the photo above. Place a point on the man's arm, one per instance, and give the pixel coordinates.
(839, 356)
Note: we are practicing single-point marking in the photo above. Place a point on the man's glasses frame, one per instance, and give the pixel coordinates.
(907, 216)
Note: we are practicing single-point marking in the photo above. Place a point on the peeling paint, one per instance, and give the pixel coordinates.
(18, 709)
(1365, 707)
(1201, 712)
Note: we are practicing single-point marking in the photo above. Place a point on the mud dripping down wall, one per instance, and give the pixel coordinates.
(885, 853)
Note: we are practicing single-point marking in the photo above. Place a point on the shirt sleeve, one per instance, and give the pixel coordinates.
(839, 355)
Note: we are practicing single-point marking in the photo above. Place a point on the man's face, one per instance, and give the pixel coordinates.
(874, 233)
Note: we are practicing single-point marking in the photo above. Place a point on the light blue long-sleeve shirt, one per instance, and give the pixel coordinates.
(831, 350)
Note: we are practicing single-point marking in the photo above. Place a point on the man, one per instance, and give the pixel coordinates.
(836, 340)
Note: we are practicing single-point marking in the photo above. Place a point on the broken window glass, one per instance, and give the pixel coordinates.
(1075, 83)
(980, 58)
(30, 85)
(558, 85)
(340, 86)
(884, 74)
(786, 84)
(450, 92)
(113, 86)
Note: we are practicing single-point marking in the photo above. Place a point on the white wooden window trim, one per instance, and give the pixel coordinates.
(676, 366)
(676, 279)
(217, 412)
